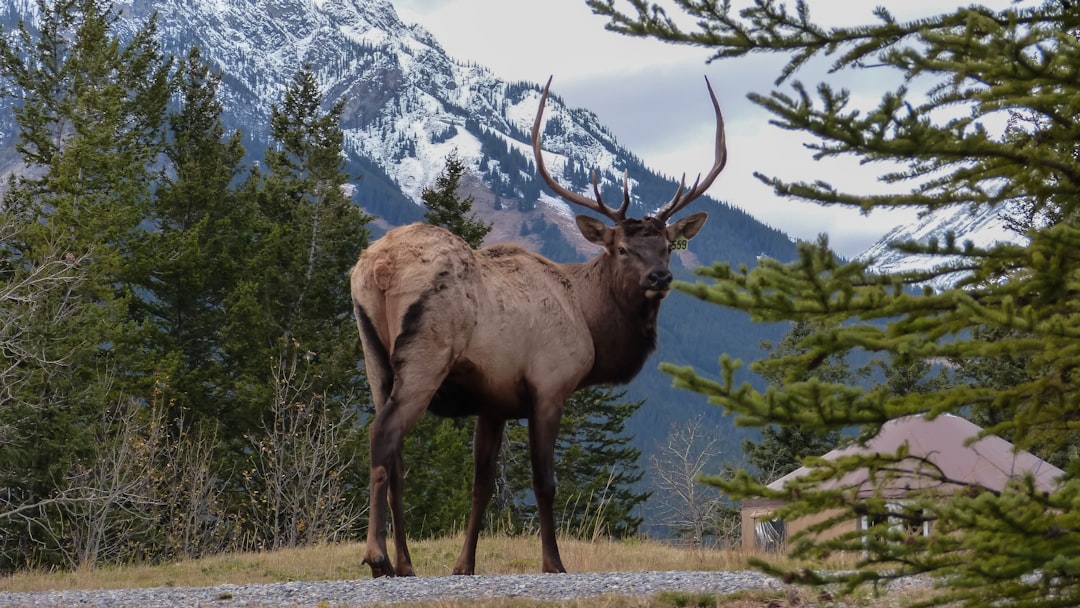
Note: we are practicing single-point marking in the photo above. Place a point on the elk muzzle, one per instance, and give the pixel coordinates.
(657, 284)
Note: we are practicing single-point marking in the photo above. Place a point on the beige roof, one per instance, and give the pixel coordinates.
(989, 462)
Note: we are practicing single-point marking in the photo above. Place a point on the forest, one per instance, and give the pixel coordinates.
(181, 371)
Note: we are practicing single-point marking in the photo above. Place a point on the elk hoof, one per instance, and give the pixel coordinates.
(380, 566)
(463, 571)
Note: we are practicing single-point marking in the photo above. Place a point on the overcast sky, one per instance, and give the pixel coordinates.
(652, 96)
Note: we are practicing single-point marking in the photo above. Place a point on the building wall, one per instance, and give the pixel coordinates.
(751, 515)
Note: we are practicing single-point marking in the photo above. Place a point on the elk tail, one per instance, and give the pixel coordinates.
(376, 357)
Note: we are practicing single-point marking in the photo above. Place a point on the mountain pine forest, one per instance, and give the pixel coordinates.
(182, 374)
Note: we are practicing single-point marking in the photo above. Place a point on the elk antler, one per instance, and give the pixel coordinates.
(682, 199)
(616, 215)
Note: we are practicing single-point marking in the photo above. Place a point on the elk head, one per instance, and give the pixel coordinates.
(639, 249)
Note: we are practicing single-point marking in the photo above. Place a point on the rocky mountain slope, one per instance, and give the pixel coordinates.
(983, 227)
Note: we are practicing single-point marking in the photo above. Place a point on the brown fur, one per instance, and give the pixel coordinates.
(502, 333)
(499, 333)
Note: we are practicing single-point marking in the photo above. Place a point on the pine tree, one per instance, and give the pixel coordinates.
(287, 327)
(1000, 374)
(89, 109)
(782, 447)
(310, 234)
(439, 472)
(1003, 547)
(205, 232)
(447, 210)
(596, 470)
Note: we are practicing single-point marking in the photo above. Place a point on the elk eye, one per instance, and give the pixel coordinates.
(622, 250)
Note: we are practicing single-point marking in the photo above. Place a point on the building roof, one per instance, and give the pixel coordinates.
(938, 444)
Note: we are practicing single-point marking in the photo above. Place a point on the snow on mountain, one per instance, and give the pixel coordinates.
(408, 103)
(983, 227)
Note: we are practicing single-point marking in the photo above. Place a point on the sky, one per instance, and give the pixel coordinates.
(652, 97)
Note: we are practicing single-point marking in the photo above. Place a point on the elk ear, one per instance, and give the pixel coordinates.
(687, 227)
(594, 230)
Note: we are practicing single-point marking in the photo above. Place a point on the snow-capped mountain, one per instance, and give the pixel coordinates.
(408, 103)
(983, 227)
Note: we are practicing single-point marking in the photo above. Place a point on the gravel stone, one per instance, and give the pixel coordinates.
(327, 594)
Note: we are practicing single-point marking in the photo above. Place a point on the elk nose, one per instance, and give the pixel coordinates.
(660, 279)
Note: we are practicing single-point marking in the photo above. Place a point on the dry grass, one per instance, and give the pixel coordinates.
(498, 554)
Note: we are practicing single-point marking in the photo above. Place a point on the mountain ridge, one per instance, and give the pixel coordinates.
(983, 227)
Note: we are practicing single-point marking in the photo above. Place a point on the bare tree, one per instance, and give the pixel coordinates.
(696, 512)
(190, 494)
(298, 475)
(113, 500)
(146, 492)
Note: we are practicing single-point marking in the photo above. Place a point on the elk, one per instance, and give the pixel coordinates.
(501, 333)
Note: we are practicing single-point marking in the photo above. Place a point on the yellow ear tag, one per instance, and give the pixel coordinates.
(681, 243)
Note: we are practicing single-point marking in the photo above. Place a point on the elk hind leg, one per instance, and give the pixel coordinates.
(387, 434)
(414, 385)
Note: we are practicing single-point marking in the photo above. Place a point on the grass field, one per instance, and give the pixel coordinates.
(497, 555)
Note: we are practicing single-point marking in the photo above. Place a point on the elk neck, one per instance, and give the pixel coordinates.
(623, 325)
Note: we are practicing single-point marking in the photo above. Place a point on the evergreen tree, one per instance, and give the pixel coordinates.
(316, 232)
(205, 233)
(438, 480)
(782, 447)
(447, 210)
(310, 236)
(595, 469)
(1003, 547)
(1002, 373)
(89, 110)
(287, 326)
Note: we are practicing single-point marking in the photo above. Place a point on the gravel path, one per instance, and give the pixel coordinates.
(333, 594)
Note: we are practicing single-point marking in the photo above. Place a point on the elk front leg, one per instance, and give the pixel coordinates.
(487, 440)
(543, 428)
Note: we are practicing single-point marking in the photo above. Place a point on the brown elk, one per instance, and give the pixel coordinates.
(502, 333)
